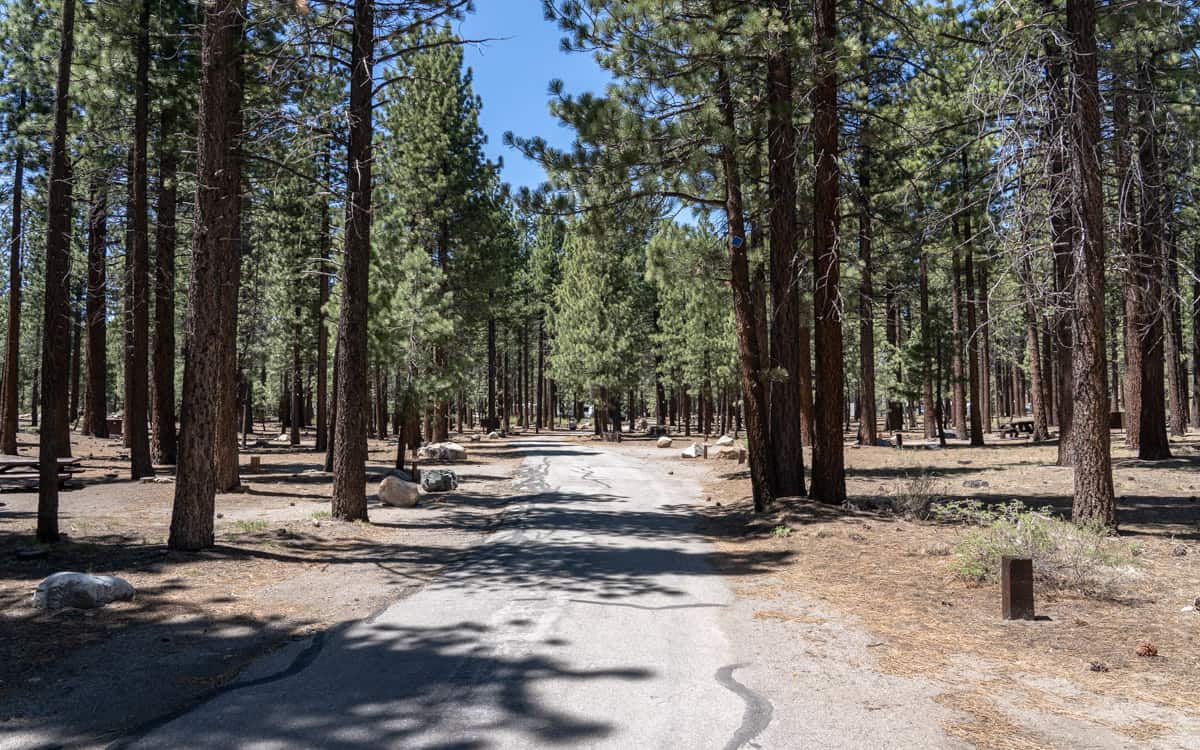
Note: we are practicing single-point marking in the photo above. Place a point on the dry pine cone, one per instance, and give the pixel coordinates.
(1147, 649)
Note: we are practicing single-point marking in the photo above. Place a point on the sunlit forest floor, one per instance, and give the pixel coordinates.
(280, 569)
(1073, 676)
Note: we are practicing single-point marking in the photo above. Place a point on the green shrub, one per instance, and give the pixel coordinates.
(1081, 558)
(914, 495)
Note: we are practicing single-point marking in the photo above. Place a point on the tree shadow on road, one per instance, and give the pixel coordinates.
(396, 686)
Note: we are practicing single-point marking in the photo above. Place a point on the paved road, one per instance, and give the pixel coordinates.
(590, 618)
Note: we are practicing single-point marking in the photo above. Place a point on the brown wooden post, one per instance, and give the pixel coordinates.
(1016, 587)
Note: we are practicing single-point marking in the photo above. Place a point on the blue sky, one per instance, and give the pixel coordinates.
(512, 74)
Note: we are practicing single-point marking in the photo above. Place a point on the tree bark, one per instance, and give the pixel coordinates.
(216, 245)
(1196, 336)
(1153, 443)
(323, 288)
(1128, 238)
(137, 423)
(958, 386)
(1173, 334)
(164, 438)
(350, 439)
(867, 420)
(56, 321)
(750, 347)
(933, 427)
(828, 472)
(972, 333)
(1040, 429)
(96, 408)
(784, 410)
(1094, 501)
(12, 350)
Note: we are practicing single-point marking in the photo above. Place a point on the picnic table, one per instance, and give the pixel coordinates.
(24, 469)
(1014, 427)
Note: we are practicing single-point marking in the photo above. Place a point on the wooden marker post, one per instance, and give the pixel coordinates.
(1016, 587)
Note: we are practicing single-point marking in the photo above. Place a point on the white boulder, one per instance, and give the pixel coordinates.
(80, 590)
(664, 442)
(396, 492)
(493, 435)
(724, 440)
(728, 453)
(443, 452)
(695, 450)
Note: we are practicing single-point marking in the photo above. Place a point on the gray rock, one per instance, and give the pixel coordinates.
(396, 492)
(443, 452)
(439, 480)
(493, 435)
(975, 484)
(80, 590)
(1180, 550)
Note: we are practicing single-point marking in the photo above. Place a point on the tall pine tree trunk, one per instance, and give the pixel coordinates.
(137, 421)
(1152, 423)
(828, 471)
(867, 421)
(350, 441)
(785, 431)
(1196, 336)
(1040, 429)
(323, 273)
(972, 334)
(164, 437)
(56, 321)
(958, 387)
(1094, 501)
(96, 408)
(216, 245)
(750, 346)
(12, 350)
(1173, 335)
(932, 425)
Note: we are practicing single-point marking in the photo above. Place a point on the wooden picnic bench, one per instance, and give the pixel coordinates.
(1014, 427)
(24, 469)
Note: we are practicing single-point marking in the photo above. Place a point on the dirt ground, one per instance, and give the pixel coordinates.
(1073, 677)
(280, 569)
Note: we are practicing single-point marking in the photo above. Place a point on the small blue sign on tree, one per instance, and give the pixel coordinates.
(738, 242)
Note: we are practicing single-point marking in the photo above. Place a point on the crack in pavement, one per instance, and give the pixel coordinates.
(758, 711)
(645, 606)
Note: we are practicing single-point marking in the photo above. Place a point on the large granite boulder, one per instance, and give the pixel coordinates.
(695, 450)
(439, 480)
(80, 590)
(443, 452)
(724, 440)
(664, 442)
(396, 492)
